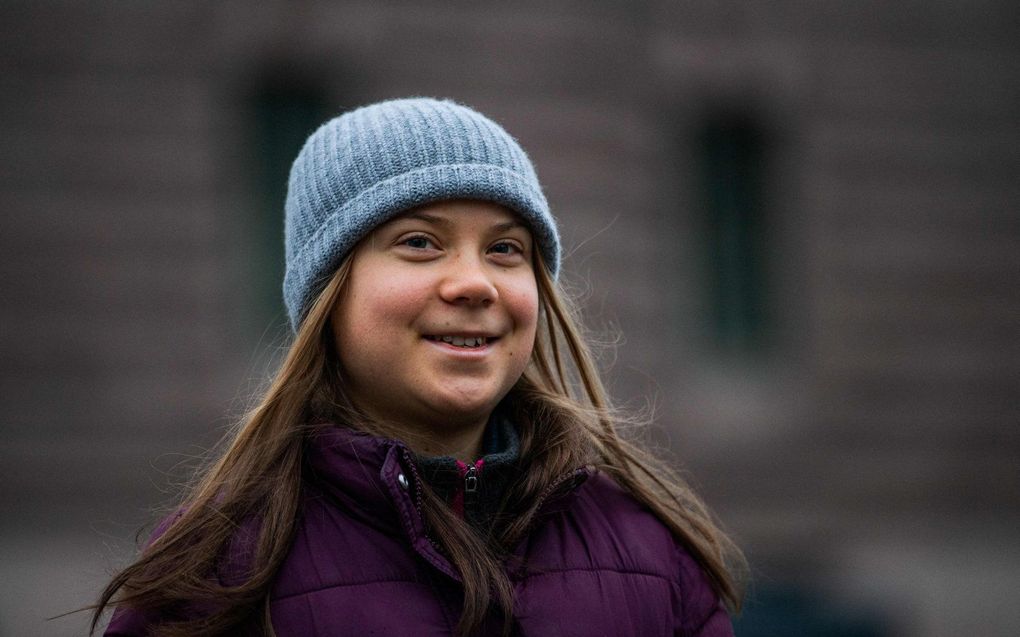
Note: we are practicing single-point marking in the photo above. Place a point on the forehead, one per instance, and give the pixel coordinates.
(465, 211)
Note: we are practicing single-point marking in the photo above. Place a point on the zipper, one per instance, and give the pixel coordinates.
(467, 493)
(418, 498)
(419, 502)
(471, 479)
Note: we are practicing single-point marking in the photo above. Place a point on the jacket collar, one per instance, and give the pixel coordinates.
(374, 479)
(377, 480)
(490, 475)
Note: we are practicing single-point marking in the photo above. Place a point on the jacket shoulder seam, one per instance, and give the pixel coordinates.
(326, 587)
(599, 569)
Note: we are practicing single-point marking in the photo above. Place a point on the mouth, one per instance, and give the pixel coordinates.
(466, 342)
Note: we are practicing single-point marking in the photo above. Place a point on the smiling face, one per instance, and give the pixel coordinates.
(438, 319)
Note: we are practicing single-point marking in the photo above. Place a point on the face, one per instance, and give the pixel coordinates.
(438, 318)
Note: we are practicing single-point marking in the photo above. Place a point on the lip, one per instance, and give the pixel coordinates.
(464, 333)
(464, 352)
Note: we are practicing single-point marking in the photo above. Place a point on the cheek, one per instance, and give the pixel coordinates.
(389, 307)
(522, 303)
(371, 322)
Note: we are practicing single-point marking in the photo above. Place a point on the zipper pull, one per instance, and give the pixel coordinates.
(471, 479)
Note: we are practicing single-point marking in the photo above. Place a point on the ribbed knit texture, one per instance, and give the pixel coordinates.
(365, 167)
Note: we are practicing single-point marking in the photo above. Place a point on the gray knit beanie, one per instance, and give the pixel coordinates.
(367, 166)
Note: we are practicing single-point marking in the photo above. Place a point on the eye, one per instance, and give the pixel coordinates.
(506, 248)
(418, 242)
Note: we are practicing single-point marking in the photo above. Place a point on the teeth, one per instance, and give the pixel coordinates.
(460, 341)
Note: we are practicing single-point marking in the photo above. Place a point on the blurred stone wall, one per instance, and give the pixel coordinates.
(867, 454)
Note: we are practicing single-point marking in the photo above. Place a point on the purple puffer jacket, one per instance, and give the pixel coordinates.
(595, 562)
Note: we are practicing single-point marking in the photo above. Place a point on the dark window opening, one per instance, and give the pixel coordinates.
(286, 107)
(733, 155)
(775, 609)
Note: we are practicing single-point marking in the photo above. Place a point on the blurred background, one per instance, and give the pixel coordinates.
(802, 217)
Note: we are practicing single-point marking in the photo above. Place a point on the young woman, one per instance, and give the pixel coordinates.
(436, 454)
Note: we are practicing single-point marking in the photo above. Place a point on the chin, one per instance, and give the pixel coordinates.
(467, 405)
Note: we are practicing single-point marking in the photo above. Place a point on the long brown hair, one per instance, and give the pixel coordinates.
(565, 422)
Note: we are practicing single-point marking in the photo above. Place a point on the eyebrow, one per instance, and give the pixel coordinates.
(423, 216)
(443, 221)
(509, 225)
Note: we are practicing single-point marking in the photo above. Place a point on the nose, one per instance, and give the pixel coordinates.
(468, 283)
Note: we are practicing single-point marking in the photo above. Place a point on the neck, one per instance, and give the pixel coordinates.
(465, 446)
(462, 441)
